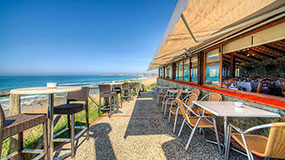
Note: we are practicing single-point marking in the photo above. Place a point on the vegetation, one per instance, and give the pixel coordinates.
(149, 88)
(33, 136)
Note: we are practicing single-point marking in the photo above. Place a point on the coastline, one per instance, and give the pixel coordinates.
(40, 106)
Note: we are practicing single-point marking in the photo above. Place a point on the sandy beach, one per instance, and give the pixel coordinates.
(41, 106)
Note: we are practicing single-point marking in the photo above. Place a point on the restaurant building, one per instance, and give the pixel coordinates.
(234, 48)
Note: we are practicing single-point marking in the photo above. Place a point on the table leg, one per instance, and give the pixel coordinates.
(225, 132)
(51, 124)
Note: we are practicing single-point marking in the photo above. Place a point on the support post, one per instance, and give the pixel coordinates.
(14, 109)
(233, 66)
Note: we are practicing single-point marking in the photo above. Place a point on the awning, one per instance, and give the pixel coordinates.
(195, 23)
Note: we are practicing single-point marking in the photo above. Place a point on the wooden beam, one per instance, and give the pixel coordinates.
(243, 56)
(261, 54)
(279, 48)
(265, 49)
(261, 51)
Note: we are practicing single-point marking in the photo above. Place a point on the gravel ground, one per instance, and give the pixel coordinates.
(141, 132)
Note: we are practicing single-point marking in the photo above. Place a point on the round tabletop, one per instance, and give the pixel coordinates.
(44, 90)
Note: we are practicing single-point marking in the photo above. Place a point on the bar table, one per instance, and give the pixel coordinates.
(50, 92)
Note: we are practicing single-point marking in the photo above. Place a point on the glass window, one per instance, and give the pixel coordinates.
(194, 69)
(212, 67)
(186, 69)
(176, 71)
(237, 72)
(169, 71)
(180, 70)
(160, 72)
(163, 72)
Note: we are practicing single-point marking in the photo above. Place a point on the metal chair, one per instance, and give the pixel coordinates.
(211, 97)
(169, 100)
(76, 102)
(17, 124)
(177, 112)
(272, 146)
(107, 94)
(196, 121)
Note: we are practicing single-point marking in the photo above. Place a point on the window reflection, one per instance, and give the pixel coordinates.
(186, 69)
(194, 69)
(212, 65)
(180, 70)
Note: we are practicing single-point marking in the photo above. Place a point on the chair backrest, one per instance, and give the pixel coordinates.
(183, 110)
(225, 84)
(196, 91)
(215, 97)
(125, 86)
(192, 97)
(282, 85)
(2, 119)
(179, 92)
(263, 84)
(104, 88)
(275, 147)
(137, 85)
(81, 95)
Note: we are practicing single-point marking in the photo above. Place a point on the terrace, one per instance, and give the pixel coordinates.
(142, 132)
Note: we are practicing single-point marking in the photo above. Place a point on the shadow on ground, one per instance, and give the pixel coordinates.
(99, 132)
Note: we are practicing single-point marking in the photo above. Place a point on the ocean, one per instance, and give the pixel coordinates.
(12, 82)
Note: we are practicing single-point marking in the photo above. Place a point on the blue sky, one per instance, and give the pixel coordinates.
(80, 37)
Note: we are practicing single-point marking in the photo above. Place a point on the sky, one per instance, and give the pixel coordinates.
(80, 37)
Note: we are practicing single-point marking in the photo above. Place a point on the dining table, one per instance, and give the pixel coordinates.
(50, 92)
(227, 109)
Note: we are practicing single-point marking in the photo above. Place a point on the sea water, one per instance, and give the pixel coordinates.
(12, 82)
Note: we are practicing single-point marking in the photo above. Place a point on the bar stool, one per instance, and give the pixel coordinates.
(136, 88)
(107, 94)
(17, 124)
(118, 90)
(76, 102)
(125, 91)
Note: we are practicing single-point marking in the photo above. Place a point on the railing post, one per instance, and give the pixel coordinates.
(14, 109)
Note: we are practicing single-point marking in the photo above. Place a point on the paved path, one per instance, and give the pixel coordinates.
(141, 132)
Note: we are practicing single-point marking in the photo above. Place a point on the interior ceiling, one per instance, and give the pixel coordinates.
(208, 20)
(266, 51)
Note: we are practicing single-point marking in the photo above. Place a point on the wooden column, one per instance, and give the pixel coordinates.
(14, 109)
(173, 71)
(200, 68)
(233, 66)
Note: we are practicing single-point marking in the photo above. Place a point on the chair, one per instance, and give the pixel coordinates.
(272, 146)
(197, 92)
(196, 121)
(263, 86)
(176, 111)
(211, 97)
(125, 91)
(76, 102)
(136, 88)
(282, 86)
(17, 124)
(107, 94)
(170, 99)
